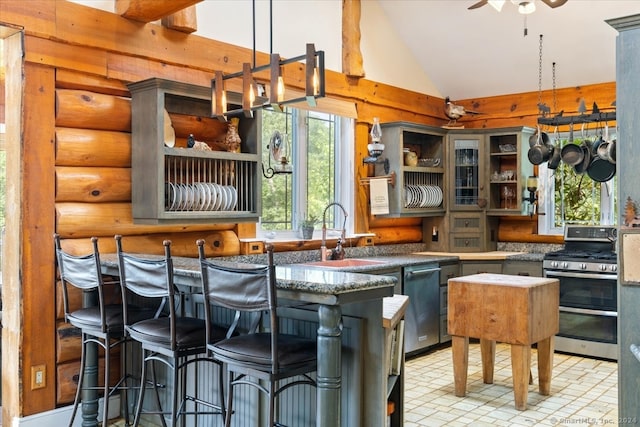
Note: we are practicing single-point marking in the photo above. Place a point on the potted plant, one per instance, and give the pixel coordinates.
(307, 225)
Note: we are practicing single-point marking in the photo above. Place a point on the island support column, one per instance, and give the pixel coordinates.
(89, 402)
(329, 365)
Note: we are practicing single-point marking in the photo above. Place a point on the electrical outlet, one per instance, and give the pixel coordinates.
(368, 241)
(38, 377)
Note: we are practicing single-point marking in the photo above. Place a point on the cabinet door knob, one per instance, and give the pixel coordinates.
(466, 243)
(466, 223)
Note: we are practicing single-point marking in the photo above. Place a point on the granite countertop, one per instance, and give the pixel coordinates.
(527, 256)
(378, 263)
(477, 256)
(289, 279)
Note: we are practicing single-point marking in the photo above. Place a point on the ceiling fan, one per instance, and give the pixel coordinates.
(524, 6)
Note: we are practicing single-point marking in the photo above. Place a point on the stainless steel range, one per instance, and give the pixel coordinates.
(588, 273)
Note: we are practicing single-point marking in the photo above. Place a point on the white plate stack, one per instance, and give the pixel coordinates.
(200, 196)
(422, 196)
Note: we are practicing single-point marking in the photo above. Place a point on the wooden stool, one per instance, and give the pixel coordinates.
(517, 310)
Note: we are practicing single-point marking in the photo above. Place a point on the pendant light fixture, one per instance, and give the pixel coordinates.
(314, 77)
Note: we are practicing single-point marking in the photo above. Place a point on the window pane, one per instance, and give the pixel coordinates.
(276, 191)
(288, 198)
(574, 198)
(320, 164)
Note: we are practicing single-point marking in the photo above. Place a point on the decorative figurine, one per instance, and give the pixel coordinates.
(232, 140)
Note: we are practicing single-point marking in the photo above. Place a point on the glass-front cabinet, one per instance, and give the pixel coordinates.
(466, 173)
(509, 168)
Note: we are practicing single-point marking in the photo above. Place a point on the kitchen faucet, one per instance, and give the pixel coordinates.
(338, 252)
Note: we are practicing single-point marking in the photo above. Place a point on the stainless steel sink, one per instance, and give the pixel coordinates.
(342, 263)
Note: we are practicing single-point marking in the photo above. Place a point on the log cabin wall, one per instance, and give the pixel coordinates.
(77, 118)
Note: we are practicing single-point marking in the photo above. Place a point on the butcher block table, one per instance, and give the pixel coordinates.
(517, 310)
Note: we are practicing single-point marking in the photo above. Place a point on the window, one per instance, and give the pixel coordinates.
(320, 147)
(567, 197)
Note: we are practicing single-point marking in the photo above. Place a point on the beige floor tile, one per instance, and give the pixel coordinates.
(583, 390)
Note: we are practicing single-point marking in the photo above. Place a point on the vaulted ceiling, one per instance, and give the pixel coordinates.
(482, 52)
(466, 54)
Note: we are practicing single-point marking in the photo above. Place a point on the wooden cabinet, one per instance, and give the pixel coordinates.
(447, 271)
(476, 267)
(471, 232)
(175, 184)
(508, 169)
(420, 187)
(522, 268)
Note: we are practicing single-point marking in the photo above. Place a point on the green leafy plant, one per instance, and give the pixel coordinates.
(309, 221)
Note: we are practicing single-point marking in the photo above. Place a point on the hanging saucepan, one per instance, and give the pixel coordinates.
(554, 161)
(582, 166)
(572, 154)
(596, 143)
(602, 150)
(541, 150)
(601, 170)
(538, 138)
(611, 151)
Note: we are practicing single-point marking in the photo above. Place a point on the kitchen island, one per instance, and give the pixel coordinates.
(334, 296)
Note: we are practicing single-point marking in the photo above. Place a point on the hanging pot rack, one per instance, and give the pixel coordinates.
(579, 119)
(560, 119)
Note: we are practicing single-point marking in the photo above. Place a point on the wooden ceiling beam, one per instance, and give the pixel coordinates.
(184, 20)
(150, 10)
(351, 53)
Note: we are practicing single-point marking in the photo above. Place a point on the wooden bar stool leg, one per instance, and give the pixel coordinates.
(521, 368)
(545, 365)
(460, 352)
(488, 354)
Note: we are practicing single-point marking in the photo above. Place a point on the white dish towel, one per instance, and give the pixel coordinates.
(379, 196)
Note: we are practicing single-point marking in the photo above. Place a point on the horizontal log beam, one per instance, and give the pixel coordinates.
(94, 148)
(218, 243)
(90, 110)
(76, 220)
(93, 184)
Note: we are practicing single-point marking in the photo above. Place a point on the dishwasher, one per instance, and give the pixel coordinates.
(422, 319)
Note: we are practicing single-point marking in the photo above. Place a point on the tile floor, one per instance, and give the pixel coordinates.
(584, 392)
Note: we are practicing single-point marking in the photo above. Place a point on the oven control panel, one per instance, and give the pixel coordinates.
(590, 233)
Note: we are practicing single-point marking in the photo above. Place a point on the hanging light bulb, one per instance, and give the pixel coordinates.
(280, 89)
(526, 7)
(218, 97)
(497, 4)
(316, 81)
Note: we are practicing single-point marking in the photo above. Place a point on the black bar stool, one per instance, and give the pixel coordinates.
(170, 337)
(265, 356)
(102, 324)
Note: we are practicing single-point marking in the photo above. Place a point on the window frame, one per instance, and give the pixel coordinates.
(547, 205)
(344, 154)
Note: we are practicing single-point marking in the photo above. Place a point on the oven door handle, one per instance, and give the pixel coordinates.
(576, 275)
(588, 311)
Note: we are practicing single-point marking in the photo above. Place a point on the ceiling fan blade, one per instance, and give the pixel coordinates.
(554, 3)
(479, 4)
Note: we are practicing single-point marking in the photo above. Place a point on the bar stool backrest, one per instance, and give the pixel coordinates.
(148, 278)
(83, 272)
(244, 289)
